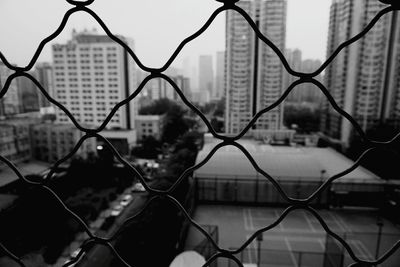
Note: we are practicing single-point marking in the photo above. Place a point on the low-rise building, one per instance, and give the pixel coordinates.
(15, 142)
(122, 140)
(229, 175)
(149, 125)
(52, 142)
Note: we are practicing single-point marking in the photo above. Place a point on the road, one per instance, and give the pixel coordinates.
(101, 256)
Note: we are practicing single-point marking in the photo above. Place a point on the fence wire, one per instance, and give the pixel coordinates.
(294, 203)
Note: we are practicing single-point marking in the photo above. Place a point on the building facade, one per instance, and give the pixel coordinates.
(52, 142)
(10, 102)
(305, 92)
(15, 142)
(206, 74)
(149, 125)
(44, 75)
(92, 73)
(28, 95)
(364, 78)
(253, 71)
(220, 75)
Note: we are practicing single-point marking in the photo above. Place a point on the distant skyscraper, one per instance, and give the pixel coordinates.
(10, 103)
(254, 72)
(364, 78)
(220, 75)
(28, 95)
(206, 74)
(306, 92)
(44, 74)
(92, 73)
(294, 58)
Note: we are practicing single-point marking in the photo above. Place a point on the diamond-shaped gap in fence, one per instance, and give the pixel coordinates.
(158, 225)
(39, 228)
(165, 37)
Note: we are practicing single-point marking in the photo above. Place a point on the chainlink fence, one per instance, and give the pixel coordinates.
(294, 203)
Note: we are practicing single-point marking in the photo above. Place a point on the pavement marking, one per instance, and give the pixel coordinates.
(281, 223)
(250, 249)
(290, 252)
(246, 225)
(337, 222)
(364, 251)
(344, 224)
(251, 220)
(309, 222)
(322, 243)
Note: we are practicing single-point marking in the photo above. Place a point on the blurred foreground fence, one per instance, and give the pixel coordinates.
(256, 191)
(334, 255)
(230, 191)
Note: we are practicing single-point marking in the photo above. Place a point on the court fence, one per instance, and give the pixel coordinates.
(205, 247)
(280, 258)
(252, 191)
(367, 246)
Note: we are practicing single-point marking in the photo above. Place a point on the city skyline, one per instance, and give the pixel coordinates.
(306, 35)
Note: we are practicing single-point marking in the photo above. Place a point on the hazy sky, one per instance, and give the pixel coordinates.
(157, 26)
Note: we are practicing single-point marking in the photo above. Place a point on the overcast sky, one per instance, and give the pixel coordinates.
(157, 26)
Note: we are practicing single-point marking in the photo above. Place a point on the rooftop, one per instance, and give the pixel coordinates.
(32, 167)
(281, 162)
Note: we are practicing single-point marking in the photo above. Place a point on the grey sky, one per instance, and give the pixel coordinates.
(157, 26)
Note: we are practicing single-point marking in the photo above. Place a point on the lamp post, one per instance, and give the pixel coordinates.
(378, 241)
(259, 240)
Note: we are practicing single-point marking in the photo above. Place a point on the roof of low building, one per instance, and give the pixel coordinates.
(32, 167)
(281, 162)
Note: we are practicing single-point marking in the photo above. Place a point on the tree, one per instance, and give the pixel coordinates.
(158, 107)
(220, 108)
(307, 120)
(382, 162)
(148, 148)
(175, 124)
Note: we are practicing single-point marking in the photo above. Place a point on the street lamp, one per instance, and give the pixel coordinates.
(379, 222)
(259, 240)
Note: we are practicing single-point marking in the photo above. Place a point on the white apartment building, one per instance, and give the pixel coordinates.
(253, 71)
(364, 78)
(92, 73)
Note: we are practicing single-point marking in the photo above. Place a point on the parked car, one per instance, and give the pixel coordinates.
(138, 187)
(126, 200)
(74, 255)
(117, 210)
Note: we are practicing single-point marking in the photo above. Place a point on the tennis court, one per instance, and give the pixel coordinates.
(299, 240)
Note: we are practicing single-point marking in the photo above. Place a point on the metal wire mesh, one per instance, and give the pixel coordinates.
(294, 203)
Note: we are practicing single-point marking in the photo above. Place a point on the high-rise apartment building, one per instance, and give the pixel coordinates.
(44, 75)
(206, 74)
(305, 92)
(294, 58)
(253, 71)
(364, 78)
(28, 95)
(220, 75)
(92, 73)
(15, 142)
